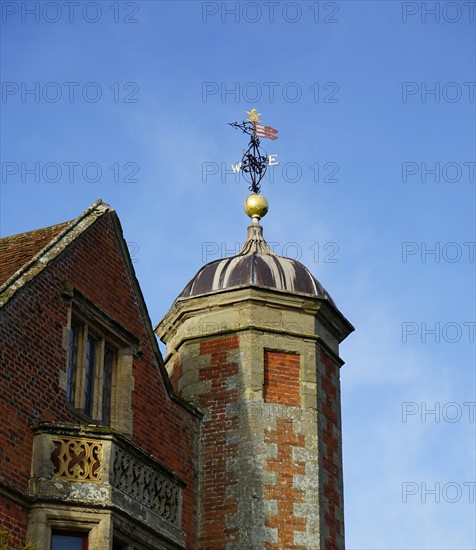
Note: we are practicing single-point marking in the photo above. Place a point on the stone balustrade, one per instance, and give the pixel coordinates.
(84, 465)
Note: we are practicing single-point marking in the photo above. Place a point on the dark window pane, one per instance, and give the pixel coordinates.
(60, 541)
(91, 347)
(106, 386)
(72, 363)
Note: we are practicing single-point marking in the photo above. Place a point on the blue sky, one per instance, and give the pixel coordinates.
(129, 102)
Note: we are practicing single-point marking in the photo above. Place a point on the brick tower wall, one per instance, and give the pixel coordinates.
(262, 483)
(330, 453)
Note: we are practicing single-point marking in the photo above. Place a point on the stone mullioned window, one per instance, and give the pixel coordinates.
(98, 379)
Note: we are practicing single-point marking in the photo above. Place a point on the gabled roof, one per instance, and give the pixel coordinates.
(40, 247)
(24, 256)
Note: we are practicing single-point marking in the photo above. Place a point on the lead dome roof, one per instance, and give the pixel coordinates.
(255, 265)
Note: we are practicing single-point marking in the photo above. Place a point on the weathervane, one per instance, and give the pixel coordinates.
(255, 162)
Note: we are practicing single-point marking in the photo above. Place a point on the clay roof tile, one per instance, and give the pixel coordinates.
(17, 250)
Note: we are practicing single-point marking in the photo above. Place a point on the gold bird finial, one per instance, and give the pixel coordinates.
(254, 116)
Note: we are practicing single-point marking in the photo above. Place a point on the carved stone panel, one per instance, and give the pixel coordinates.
(77, 459)
(146, 486)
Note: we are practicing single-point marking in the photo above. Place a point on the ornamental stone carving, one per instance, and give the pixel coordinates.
(77, 459)
(146, 486)
(85, 465)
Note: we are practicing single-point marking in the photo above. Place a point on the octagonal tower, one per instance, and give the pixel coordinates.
(253, 342)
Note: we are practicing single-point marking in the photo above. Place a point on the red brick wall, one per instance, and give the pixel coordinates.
(13, 519)
(284, 491)
(215, 449)
(176, 375)
(32, 357)
(331, 452)
(282, 378)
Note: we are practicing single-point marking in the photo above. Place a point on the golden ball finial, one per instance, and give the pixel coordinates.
(256, 206)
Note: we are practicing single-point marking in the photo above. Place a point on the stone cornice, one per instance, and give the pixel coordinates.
(184, 309)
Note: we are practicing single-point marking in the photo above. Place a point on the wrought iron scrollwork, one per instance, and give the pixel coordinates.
(254, 162)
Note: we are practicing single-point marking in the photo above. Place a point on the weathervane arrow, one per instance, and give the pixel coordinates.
(255, 160)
